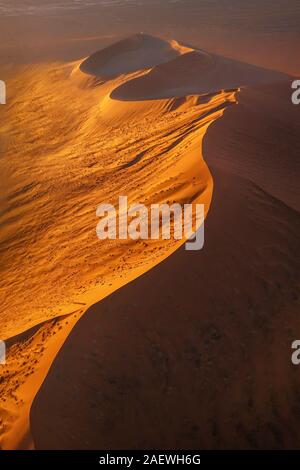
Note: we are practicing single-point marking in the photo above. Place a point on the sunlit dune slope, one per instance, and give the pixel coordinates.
(196, 353)
(137, 52)
(68, 148)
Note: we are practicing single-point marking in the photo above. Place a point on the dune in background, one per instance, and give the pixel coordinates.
(196, 353)
(76, 135)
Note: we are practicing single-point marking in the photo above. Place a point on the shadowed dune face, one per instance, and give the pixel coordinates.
(196, 352)
(268, 138)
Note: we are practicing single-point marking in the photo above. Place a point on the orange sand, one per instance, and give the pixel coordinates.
(71, 144)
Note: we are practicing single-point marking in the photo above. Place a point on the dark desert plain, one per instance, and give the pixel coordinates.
(123, 344)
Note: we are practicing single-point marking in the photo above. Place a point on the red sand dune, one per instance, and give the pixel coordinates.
(137, 52)
(195, 72)
(196, 352)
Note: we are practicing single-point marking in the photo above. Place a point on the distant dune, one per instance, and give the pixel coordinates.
(133, 120)
(195, 72)
(79, 148)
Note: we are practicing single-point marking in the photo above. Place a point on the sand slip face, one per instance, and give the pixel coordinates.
(71, 144)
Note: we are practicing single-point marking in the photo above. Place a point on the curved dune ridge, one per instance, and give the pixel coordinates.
(68, 151)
